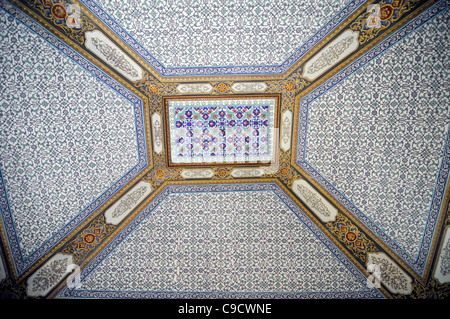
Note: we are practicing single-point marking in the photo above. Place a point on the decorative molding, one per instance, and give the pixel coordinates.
(73, 18)
(194, 88)
(117, 212)
(442, 271)
(286, 130)
(333, 53)
(247, 172)
(352, 237)
(395, 279)
(104, 48)
(197, 173)
(373, 21)
(102, 104)
(49, 275)
(249, 87)
(319, 205)
(157, 133)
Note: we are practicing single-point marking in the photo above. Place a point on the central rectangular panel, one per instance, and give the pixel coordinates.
(221, 130)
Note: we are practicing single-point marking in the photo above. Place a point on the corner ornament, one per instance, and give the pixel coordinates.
(49, 275)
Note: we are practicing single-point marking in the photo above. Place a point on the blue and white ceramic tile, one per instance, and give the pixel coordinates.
(376, 135)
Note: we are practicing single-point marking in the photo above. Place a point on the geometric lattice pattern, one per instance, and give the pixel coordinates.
(379, 136)
(136, 139)
(220, 239)
(65, 136)
(223, 34)
(221, 130)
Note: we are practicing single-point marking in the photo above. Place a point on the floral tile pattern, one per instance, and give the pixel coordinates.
(228, 130)
(377, 136)
(356, 206)
(235, 37)
(203, 239)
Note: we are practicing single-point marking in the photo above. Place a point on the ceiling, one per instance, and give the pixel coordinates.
(224, 149)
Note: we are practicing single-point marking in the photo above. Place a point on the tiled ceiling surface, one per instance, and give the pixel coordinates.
(214, 251)
(375, 140)
(191, 36)
(229, 149)
(60, 151)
